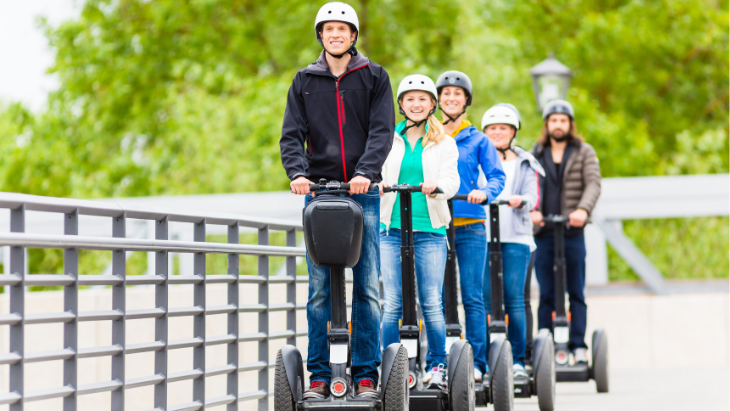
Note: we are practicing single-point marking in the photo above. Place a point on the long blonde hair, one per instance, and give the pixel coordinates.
(436, 131)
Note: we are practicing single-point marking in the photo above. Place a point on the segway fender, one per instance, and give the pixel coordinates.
(453, 358)
(538, 344)
(294, 370)
(389, 355)
(495, 348)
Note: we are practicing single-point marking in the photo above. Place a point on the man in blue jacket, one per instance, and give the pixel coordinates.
(475, 152)
(339, 125)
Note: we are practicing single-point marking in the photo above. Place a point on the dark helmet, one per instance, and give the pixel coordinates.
(558, 107)
(455, 78)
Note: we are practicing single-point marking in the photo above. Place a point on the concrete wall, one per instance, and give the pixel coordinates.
(644, 331)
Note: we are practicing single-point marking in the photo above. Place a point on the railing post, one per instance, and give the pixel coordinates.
(161, 301)
(17, 306)
(71, 304)
(263, 239)
(233, 288)
(119, 303)
(291, 288)
(199, 320)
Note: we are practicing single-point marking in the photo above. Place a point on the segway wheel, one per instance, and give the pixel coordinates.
(503, 382)
(283, 397)
(545, 377)
(396, 395)
(600, 360)
(461, 389)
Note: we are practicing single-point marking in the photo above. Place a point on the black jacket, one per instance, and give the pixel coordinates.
(347, 123)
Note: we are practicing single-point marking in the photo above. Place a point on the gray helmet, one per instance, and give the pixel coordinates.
(455, 78)
(558, 107)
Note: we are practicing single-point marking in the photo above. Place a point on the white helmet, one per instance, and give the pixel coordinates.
(336, 11)
(501, 114)
(417, 82)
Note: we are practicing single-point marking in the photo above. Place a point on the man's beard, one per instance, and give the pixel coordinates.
(559, 139)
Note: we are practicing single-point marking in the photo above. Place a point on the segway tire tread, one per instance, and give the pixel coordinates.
(503, 385)
(396, 393)
(283, 397)
(462, 387)
(545, 377)
(600, 362)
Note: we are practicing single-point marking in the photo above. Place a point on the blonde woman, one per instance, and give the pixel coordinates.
(421, 155)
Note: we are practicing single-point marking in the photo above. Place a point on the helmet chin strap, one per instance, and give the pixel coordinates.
(415, 123)
(509, 148)
(451, 119)
(352, 50)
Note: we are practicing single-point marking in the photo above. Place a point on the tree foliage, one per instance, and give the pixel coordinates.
(187, 96)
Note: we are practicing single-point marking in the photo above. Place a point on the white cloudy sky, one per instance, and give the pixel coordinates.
(24, 52)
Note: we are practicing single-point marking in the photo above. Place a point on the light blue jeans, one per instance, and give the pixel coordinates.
(515, 259)
(471, 254)
(365, 319)
(430, 265)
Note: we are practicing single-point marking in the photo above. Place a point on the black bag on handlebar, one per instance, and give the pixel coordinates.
(333, 229)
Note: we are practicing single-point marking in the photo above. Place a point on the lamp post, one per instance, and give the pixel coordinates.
(550, 79)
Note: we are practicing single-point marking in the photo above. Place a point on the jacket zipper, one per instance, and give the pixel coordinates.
(341, 116)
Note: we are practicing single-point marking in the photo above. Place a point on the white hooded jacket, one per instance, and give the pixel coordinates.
(440, 161)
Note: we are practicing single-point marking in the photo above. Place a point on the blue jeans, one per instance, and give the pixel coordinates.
(515, 258)
(365, 321)
(471, 254)
(430, 265)
(575, 267)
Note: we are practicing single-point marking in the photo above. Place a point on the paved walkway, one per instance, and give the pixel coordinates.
(657, 389)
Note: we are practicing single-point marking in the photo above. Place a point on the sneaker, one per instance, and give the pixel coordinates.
(318, 390)
(580, 355)
(426, 377)
(477, 375)
(438, 377)
(366, 388)
(518, 370)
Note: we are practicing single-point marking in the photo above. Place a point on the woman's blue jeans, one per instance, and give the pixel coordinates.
(471, 254)
(430, 264)
(515, 259)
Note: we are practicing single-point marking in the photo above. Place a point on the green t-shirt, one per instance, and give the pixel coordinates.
(411, 172)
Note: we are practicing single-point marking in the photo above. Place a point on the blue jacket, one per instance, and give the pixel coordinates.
(476, 150)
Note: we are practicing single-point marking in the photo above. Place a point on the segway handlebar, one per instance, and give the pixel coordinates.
(551, 218)
(408, 188)
(506, 202)
(465, 197)
(335, 186)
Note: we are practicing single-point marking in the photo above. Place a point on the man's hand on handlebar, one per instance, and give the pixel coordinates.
(515, 201)
(578, 218)
(427, 187)
(300, 185)
(359, 185)
(476, 197)
(536, 218)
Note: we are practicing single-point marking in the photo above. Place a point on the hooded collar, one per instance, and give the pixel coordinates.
(320, 66)
(523, 156)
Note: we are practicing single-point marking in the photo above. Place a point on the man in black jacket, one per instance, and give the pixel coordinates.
(339, 125)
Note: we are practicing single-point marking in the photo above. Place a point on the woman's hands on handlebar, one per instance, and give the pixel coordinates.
(427, 187)
(515, 201)
(476, 197)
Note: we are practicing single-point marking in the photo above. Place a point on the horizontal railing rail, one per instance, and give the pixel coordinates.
(160, 277)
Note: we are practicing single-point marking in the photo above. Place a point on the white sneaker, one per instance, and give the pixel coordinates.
(519, 371)
(438, 377)
(426, 377)
(580, 355)
(477, 375)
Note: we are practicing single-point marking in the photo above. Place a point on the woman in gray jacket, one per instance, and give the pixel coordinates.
(500, 123)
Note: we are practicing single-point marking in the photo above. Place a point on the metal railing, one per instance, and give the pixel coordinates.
(18, 279)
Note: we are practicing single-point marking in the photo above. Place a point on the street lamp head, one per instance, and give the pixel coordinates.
(550, 80)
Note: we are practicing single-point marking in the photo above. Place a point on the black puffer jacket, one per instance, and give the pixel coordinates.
(347, 122)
